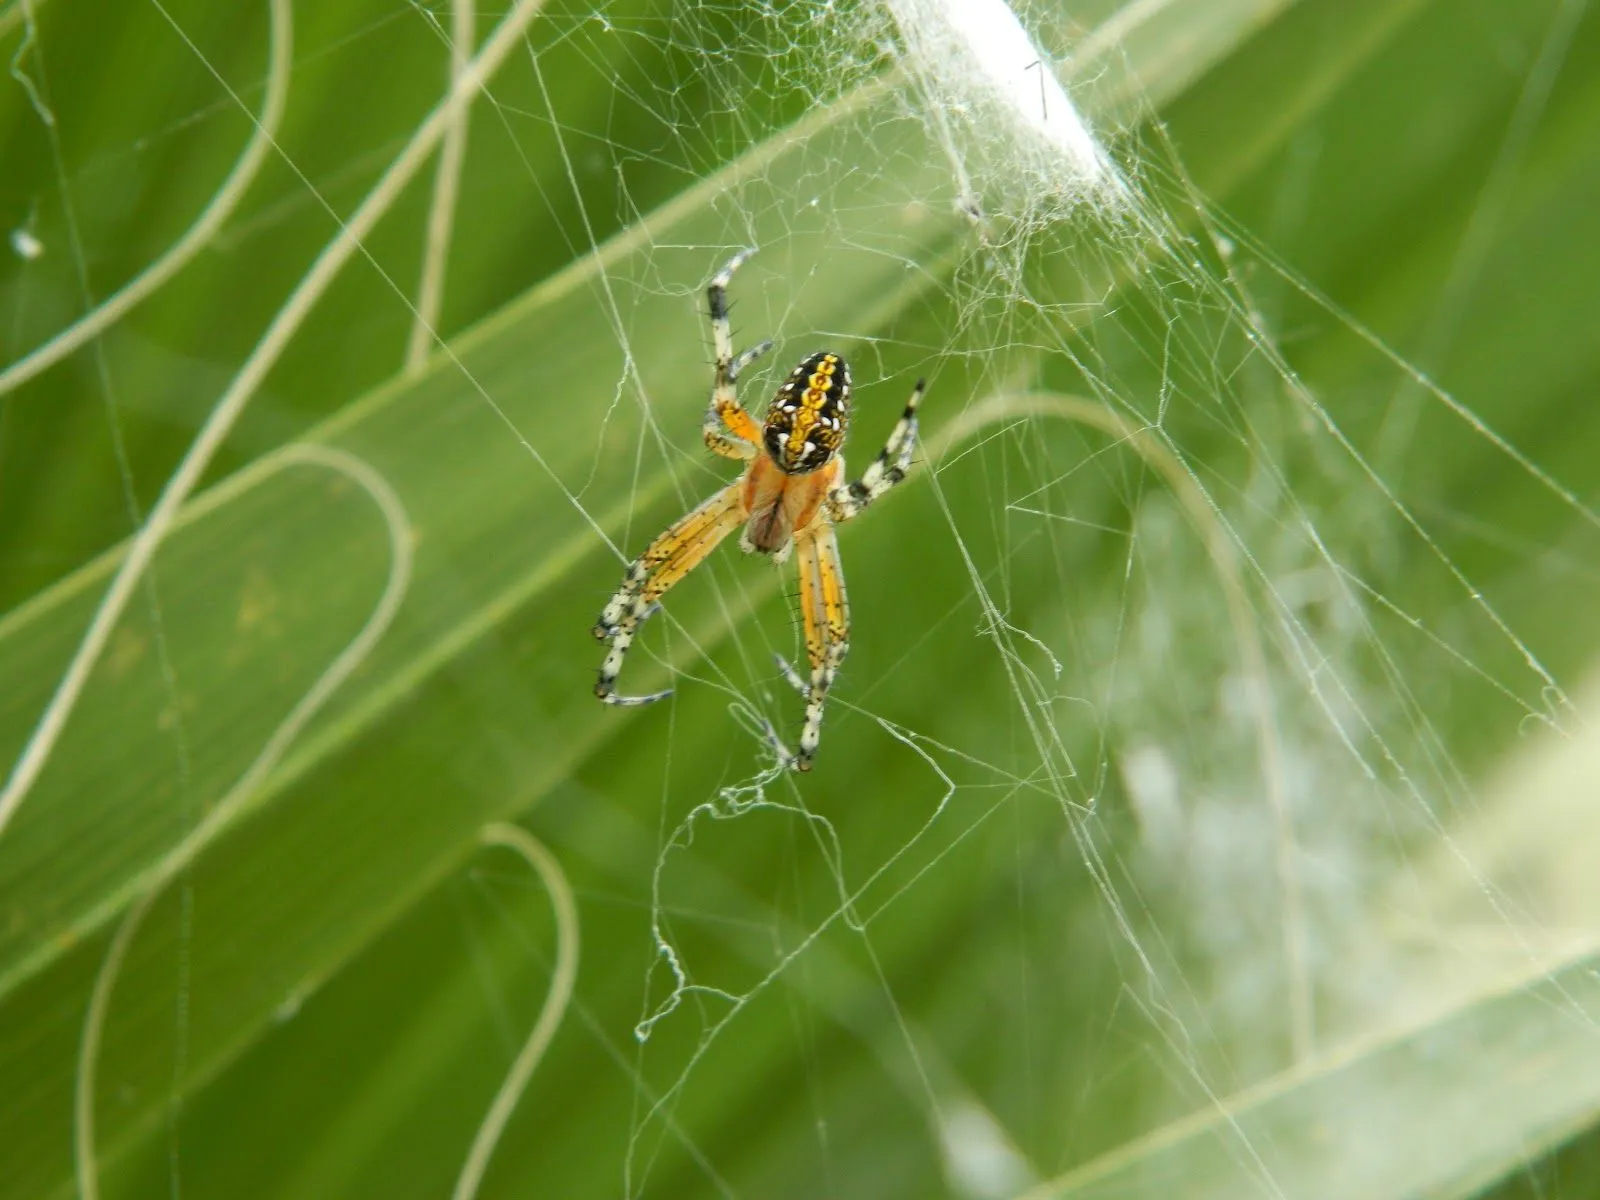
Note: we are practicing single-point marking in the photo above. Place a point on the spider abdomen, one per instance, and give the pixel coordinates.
(806, 420)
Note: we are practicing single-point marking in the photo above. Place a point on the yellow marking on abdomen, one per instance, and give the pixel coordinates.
(811, 403)
(803, 421)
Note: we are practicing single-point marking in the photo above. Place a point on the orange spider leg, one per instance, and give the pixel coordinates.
(735, 417)
(725, 414)
(667, 560)
(826, 612)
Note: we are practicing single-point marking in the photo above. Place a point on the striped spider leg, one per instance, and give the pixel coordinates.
(824, 604)
(825, 611)
(889, 468)
(728, 430)
(665, 561)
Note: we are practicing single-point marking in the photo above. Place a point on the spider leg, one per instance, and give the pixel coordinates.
(888, 469)
(745, 358)
(726, 444)
(725, 414)
(826, 612)
(665, 561)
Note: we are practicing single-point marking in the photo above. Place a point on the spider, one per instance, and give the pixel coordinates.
(789, 498)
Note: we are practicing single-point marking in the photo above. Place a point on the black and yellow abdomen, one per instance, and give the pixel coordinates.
(806, 420)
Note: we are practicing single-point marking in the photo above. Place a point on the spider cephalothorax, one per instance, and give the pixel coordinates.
(789, 498)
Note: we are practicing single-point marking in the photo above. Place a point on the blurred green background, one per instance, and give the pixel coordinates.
(1206, 806)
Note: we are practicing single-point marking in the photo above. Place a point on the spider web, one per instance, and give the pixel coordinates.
(1188, 692)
